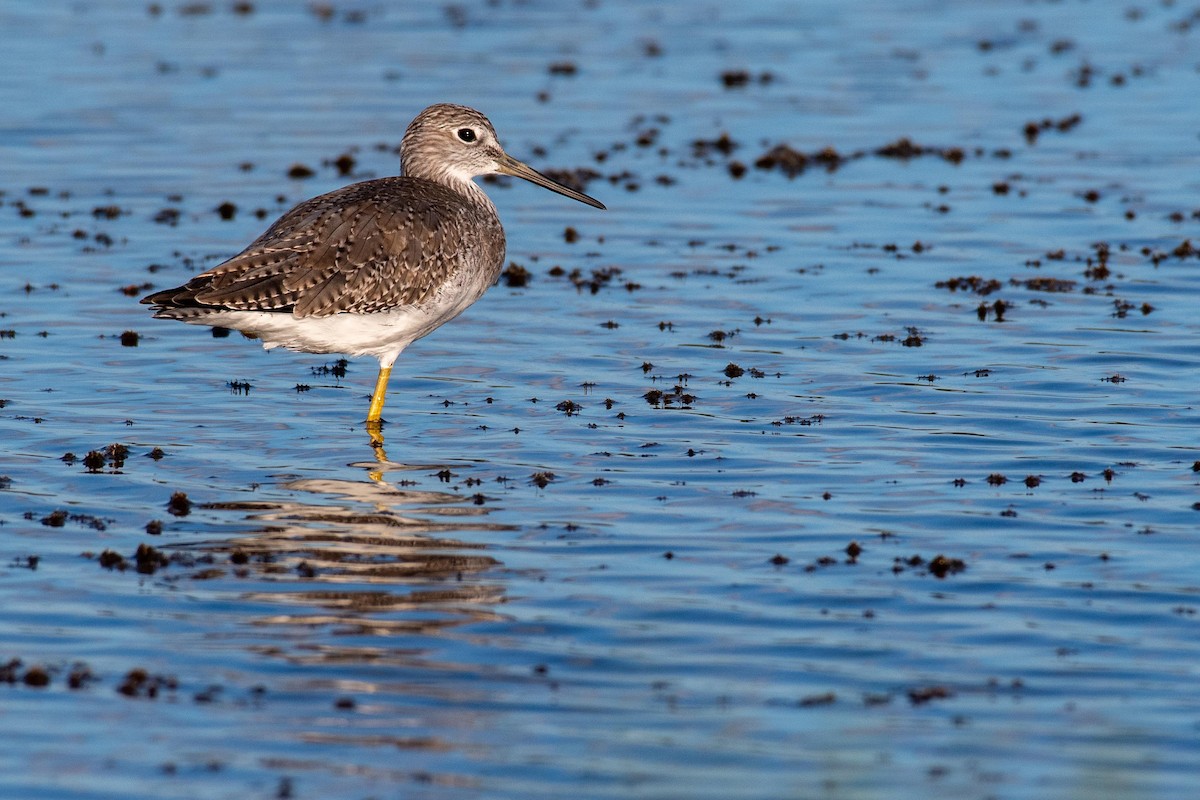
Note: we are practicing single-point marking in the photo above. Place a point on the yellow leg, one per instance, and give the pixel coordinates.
(375, 413)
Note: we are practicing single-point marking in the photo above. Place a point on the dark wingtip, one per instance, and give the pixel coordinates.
(164, 298)
(178, 297)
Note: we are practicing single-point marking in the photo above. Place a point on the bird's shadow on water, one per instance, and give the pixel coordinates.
(339, 558)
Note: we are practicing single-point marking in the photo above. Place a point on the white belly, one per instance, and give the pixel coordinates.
(382, 335)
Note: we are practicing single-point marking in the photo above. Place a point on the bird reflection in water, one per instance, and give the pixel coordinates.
(363, 558)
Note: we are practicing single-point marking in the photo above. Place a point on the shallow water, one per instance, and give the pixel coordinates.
(654, 595)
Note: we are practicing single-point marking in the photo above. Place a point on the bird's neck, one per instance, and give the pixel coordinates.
(455, 182)
(471, 189)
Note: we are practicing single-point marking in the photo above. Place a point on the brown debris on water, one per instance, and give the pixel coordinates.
(815, 700)
(344, 164)
(647, 137)
(300, 171)
(80, 676)
(226, 210)
(36, 677)
(116, 454)
(149, 559)
(941, 566)
(107, 212)
(740, 78)
(59, 518)
(723, 144)
(793, 162)
(669, 399)
(831, 159)
(789, 161)
(596, 280)
(142, 684)
(905, 149)
(1045, 284)
(179, 505)
(1186, 249)
(1121, 308)
(996, 310)
(971, 283)
(9, 671)
(111, 559)
(136, 289)
(815, 419)
(168, 216)
(853, 551)
(924, 694)
(29, 562)
(569, 407)
(515, 275)
(1035, 128)
(336, 370)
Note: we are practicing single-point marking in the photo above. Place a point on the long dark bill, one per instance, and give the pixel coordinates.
(510, 166)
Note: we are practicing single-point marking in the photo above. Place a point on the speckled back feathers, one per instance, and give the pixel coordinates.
(369, 247)
(373, 246)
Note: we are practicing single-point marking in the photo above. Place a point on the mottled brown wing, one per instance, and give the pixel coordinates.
(368, 247)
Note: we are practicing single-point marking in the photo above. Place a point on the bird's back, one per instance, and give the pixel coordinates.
(369, 247)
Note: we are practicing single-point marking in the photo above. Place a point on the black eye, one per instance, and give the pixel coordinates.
(466, 134)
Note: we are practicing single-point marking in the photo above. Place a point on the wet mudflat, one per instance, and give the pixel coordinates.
(851, 453)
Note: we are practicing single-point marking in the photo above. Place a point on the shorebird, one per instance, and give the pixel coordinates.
(368, 269)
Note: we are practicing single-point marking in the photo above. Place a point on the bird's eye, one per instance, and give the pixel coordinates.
(466, 134)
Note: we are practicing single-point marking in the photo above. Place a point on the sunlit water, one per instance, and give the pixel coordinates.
(714, 576)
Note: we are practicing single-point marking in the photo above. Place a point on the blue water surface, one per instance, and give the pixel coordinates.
(877, 478)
